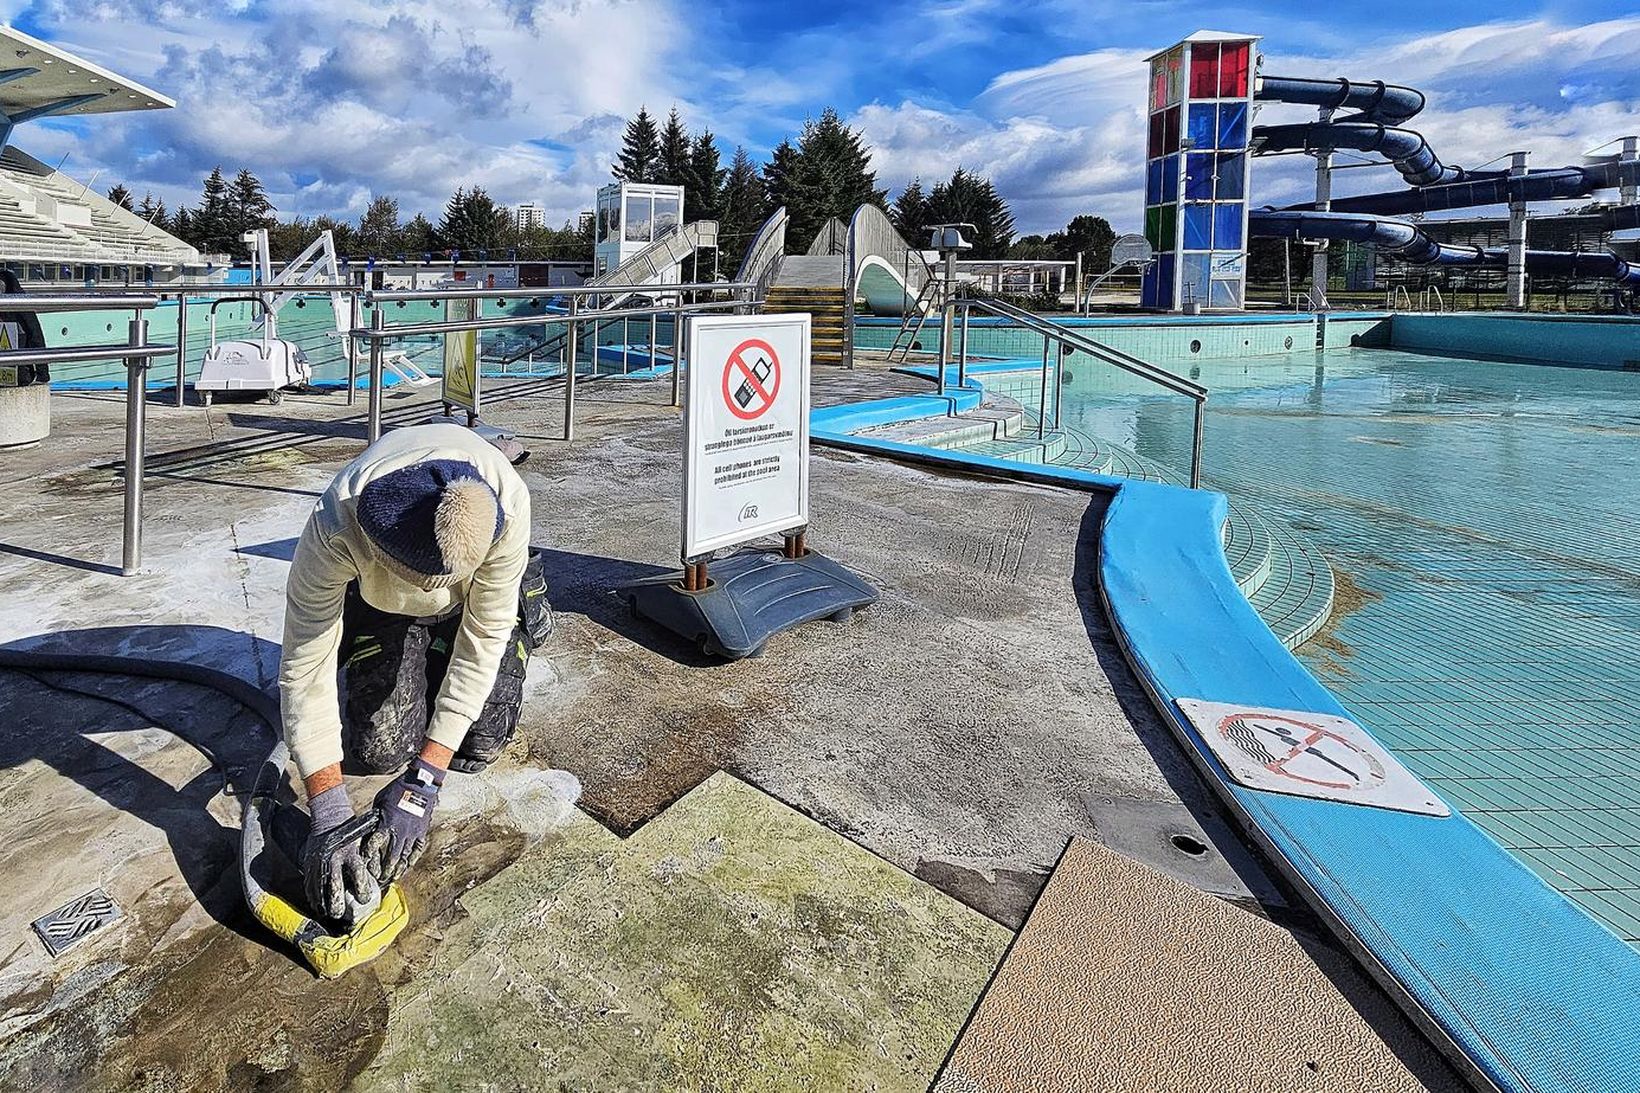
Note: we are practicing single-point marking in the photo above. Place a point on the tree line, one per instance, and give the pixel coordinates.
(825, 171)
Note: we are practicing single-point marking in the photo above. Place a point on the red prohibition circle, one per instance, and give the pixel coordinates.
(747, 395)
(1312, 734)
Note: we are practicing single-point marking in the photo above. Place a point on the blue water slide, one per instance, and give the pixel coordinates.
(1559, 184)
(1410, 243)
(1406, 149)
(1377, 101)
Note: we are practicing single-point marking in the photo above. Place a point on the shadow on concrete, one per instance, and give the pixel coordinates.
(58, 559)
(260, 487)
(586, 584)
(304, 426)
(72, 666)
(282, 550)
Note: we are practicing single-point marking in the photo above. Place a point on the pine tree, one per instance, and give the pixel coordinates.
(183, 227)
(672, 168)
(777, 175)
(472, 222)
(703, 186)
(640, 149)
(379, 230)
(910, 214)
(152, 211)
(418, 237)
(212, 222)
(744, 208)
(248, 209)
(830, 176)
(120, 196)
(969, 199)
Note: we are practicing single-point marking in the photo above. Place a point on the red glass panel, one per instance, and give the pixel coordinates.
(1158, 85)
(1155, 148)
(1233, 71)
(1170, 131)
(1204, 70)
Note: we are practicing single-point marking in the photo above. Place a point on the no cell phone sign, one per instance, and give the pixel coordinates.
(751, 379)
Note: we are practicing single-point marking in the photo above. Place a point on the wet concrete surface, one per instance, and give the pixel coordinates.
(946, 741)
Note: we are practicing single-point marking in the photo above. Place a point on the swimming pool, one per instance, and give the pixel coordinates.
(1479, 519)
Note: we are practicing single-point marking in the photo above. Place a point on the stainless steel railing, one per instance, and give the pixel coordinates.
(1053, 332)
(671, 302)
(137, 353)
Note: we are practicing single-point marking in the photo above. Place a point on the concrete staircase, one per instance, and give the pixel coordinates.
(825, 305)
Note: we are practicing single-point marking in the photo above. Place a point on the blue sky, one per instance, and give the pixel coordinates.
(331, 101)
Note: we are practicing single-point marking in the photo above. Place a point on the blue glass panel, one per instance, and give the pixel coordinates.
(1147, 287)
(1226, 225)
(1225, 294)
(1170, 179)
(1198, 227)
(1203, 132)
(1198, 177)
(1164, 281)
(1196, 275)
(1232, 125)
(1232, 176)
(1153, 182)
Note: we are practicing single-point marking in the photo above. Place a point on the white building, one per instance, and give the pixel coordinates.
(530, 215)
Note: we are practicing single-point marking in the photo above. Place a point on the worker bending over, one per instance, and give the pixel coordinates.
(414, 574)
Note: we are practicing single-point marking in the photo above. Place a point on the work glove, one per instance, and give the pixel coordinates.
(336, 873)
(404, 815)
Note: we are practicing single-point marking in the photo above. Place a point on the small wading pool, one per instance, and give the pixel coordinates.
(1481, 520)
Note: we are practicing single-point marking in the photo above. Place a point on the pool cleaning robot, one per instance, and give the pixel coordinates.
(270, 363)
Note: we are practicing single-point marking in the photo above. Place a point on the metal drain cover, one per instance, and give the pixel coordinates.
(73, 921)
(1308, 754)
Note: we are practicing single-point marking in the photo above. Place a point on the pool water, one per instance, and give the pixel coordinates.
(1481, 519)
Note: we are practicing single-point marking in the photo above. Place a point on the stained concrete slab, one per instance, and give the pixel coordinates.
(1124, 979)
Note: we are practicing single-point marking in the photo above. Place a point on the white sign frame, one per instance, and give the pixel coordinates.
(762, 503)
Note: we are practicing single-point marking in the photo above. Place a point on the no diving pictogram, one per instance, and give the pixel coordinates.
(1302, 751)
(751, 379)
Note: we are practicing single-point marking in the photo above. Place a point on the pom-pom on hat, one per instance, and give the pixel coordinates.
(432, 522)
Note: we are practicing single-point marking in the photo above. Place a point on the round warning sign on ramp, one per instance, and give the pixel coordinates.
(1308, 754)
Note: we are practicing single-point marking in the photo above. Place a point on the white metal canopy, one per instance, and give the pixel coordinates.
(39, 79)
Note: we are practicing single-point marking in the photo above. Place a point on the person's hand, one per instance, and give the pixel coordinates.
(404, 815)
(336, 874)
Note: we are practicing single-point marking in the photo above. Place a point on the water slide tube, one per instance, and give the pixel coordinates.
(1410, 243)
(1560, 184)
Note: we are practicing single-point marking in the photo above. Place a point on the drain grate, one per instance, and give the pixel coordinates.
(74, 921)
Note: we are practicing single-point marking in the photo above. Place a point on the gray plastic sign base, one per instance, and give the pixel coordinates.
(751, 597)
(1307, 754)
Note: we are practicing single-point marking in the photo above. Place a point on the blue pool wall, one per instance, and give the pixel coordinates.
(1523, 988)
(1591, 341)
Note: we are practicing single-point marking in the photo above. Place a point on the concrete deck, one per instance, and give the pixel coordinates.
(825, 849)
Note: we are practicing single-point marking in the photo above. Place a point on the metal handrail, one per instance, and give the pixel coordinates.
(396, 295)
(41, 302)
(1127, 362)
(762, 260)
(831, 240)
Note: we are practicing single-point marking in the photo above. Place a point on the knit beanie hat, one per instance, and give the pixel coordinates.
(433, 522)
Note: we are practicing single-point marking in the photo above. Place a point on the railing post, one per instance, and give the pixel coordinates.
(1042, 400)
(962, 351)
(677, 353)
(352, 347)
(1196, 446)
(571, 351)
(378, 320)
(182, 346)
(654, 336)
(626, 345)
(136, 446)
(1058, 386)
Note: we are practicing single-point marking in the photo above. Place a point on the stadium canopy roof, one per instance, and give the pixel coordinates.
(38, 79)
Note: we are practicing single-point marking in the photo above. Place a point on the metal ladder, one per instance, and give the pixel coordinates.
(906, 338)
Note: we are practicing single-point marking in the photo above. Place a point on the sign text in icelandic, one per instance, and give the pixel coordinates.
(461, 357)
(746, 436)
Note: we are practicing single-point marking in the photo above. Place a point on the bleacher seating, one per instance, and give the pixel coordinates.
(30, 232)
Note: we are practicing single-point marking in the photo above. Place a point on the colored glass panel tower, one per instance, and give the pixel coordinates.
(1201, 95)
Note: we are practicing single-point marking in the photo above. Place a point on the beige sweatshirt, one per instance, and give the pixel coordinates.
(333, 551)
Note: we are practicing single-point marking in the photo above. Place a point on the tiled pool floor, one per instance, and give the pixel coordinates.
(1483, 519)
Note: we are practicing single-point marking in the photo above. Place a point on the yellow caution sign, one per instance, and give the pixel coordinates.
(461, 357)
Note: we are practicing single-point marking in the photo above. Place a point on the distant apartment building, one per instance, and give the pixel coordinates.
(530, 215)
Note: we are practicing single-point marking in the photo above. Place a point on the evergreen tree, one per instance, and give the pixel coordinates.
(152, 211)
(744, 208)
(379, 230)
(1090, 236)
(248, 209)
(968, 198)
(472, 222)
(418, 237)
(910, 214)
(182, 226)
(672, 168)
(829, 176)
(777, 175)
(640, 149)
(341, 234)
(212, 223)
(120, 196)
(703, 184)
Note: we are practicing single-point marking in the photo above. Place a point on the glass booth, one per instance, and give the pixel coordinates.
(631, 216)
